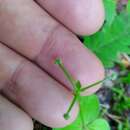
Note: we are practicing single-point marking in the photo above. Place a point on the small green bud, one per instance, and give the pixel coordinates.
(78, 85)
(66, 116)
(58, 61)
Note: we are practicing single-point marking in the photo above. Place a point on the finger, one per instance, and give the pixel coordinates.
(34, 91)
(38, 37)
(22, 22)
(12, 118)
(78, 60)
(81, 16)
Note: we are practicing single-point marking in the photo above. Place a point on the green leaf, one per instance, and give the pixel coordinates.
(90, 108)
(126, 79)
(110, 10)
(99, 124)
(120, 126)
(112, 40)
(128, 6)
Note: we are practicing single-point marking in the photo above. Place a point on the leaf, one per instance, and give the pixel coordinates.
(112, 40)
(120, 126)
(90, 108)
(110, 10)
(128, 6)
(99, 124)
(126, 79)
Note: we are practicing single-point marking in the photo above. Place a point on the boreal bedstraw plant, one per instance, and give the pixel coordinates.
(92, 122)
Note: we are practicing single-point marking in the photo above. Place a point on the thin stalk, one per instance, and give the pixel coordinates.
(92, 85)
(66, 115)
(68, 76)
(113, 117)
(81, 116)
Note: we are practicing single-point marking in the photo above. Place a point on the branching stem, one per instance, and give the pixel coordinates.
(92, 85)
(97, 83)
(78, 89)
(67, 114)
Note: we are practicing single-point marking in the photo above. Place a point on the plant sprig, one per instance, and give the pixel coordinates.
(78, 88)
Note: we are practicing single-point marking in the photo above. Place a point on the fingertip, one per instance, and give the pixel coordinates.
(88, 18)
(83, 17)
(88, 26)
(97, 74)
(60, 122)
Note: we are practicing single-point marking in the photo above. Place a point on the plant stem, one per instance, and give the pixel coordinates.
(69, 77)
(77, 91)
(66, 115)
(92, 85)
(81, 116)
(113, 117)
(98, 82)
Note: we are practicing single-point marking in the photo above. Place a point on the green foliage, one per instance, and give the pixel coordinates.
(128, 6)
(99, 124)
(126, 79)
(122, 101)
(124, 126)
(120, 98)
(113, 38)
(110, 10)
(90, 108)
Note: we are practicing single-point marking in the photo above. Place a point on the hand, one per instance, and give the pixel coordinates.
(31, 39)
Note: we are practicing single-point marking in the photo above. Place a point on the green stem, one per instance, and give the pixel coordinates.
(66, 115)
(69, 77)
(81, 116)
(115, 118)
(98, 82)
(93, 85)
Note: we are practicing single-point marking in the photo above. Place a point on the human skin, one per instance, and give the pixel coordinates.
(32, 35)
